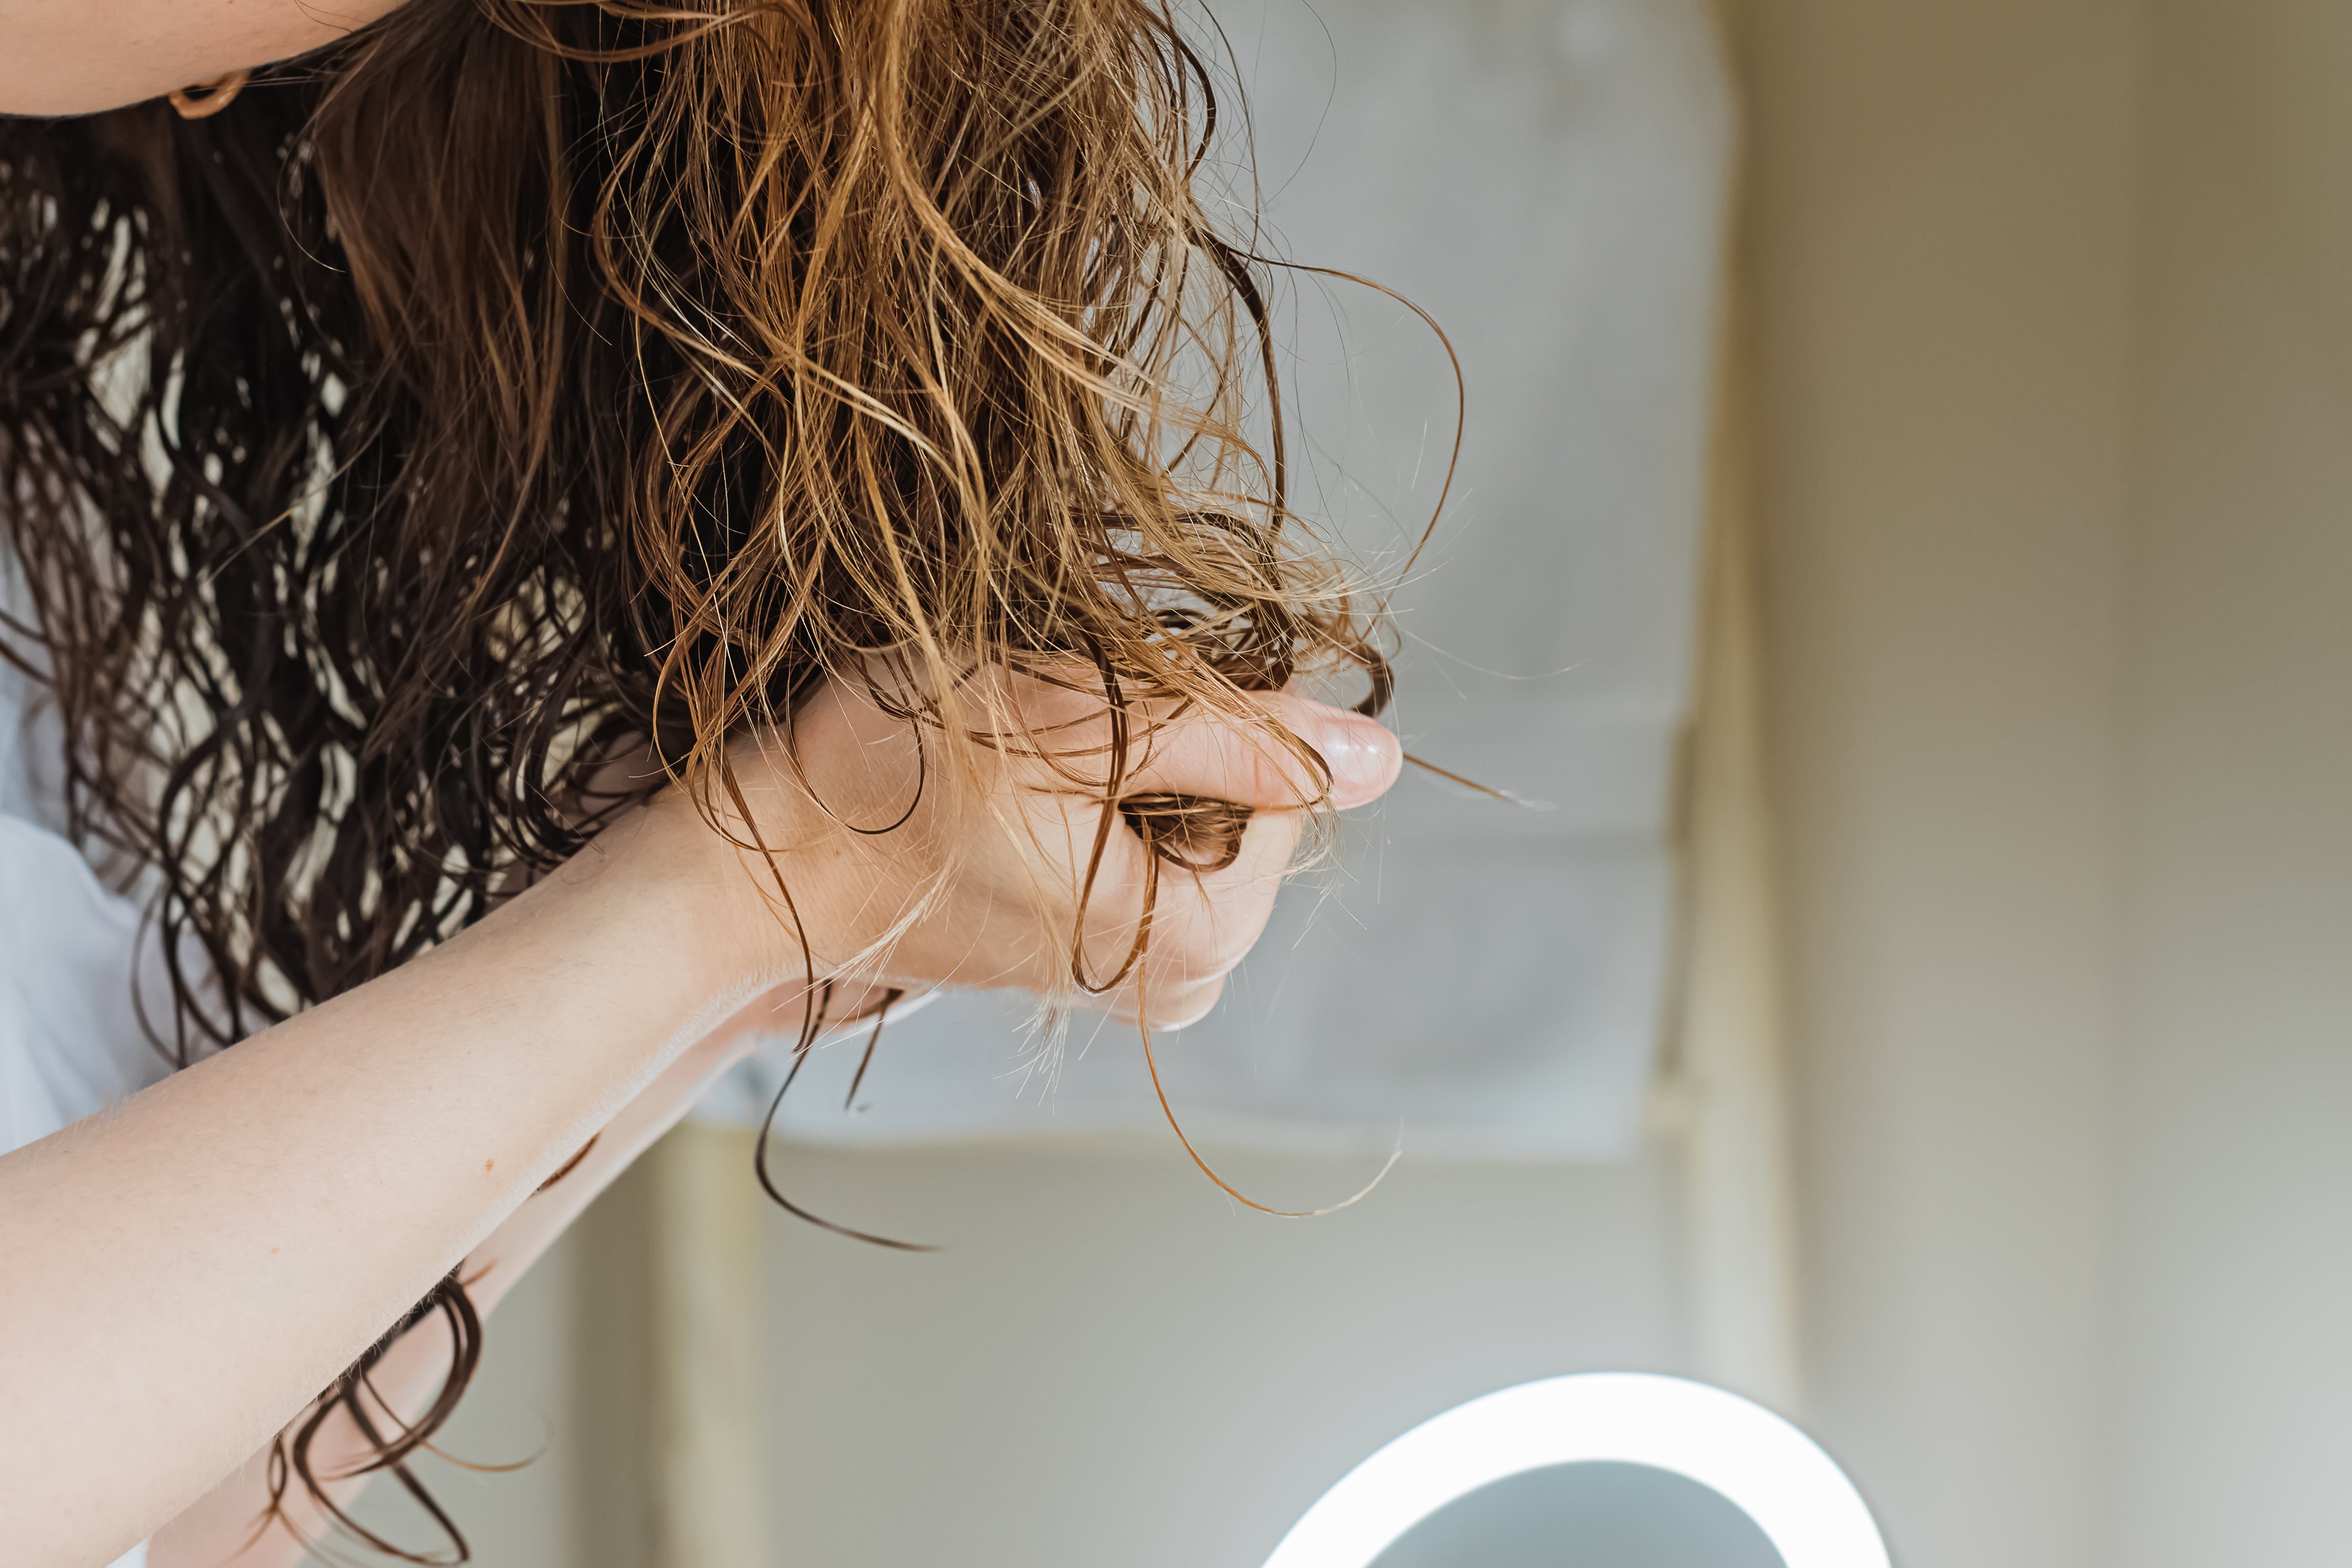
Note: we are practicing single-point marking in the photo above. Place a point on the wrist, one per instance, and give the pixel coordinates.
(746, 898)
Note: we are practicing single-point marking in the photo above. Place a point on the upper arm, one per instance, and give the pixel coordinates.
(77, 57)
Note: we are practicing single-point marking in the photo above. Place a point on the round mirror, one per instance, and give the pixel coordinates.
(1597, 1514)
(1519, 1464)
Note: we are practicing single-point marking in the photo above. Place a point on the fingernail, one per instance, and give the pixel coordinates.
(1362, 755)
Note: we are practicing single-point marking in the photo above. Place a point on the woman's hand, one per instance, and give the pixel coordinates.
(981, 882)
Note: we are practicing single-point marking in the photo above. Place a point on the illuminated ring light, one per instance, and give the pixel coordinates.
(1774, 1473)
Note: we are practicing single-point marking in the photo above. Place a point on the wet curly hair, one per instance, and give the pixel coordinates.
(517, 382)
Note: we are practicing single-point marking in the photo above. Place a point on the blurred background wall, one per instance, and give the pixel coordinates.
(1945, 223)
(2056, 382)
(2232, 1365)
(2052, 385)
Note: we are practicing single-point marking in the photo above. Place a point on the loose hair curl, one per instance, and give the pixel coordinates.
(520, 380)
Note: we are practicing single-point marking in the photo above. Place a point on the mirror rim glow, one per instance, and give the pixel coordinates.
(1767, 1468)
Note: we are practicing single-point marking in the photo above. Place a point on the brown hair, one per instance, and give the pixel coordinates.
(522, 379)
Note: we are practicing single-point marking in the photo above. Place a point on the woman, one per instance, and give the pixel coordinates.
(554, 539)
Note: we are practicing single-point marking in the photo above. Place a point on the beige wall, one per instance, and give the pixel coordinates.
(2234, 1289)
(2057, 386)
(1115, 1367)
(1942, 243)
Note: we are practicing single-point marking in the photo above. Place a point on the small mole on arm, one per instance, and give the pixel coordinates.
(488, 1164)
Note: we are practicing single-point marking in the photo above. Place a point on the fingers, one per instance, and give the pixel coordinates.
(1182, 1006)
(1026, 844)
(1202, 923)
(1205, 925)
(1210, 755)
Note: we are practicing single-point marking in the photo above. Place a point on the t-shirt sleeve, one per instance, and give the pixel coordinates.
(71, 963)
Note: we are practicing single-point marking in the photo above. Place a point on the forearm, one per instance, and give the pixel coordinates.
(225, 1527)
(226, 1524)
(80, 57)
(186, 1273)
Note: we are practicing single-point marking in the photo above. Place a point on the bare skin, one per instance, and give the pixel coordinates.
(266, 1212)
(229, 1526)
(80, 58)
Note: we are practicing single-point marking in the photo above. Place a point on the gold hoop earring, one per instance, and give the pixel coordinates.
(207, 99)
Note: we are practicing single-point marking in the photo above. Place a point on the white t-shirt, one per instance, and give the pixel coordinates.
(71, 952)
(71, 949)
